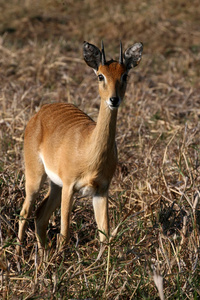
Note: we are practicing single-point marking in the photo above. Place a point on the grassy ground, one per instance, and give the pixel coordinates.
(154, 196)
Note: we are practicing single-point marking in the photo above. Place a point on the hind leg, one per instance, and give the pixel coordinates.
(44, 212)
(35, 177)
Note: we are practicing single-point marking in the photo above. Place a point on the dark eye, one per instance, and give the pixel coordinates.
(100, 77)
(125, 77)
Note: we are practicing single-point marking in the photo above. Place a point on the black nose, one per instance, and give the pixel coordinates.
(114, 101)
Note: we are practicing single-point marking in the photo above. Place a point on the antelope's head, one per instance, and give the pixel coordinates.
(112, 75)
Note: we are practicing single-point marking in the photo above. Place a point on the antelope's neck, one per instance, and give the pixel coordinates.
(103, 136)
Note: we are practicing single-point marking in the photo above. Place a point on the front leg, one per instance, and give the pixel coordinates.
(100, 204)
(66, 207)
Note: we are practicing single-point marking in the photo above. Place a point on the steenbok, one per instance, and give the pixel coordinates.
(76, 153)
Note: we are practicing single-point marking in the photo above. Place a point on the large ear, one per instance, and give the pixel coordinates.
(92, 55)
(133, 55)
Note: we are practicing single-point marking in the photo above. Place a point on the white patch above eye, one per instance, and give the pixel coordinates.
(53, 176)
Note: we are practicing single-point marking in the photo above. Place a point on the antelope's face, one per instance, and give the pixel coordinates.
(112, 79)
(112, 75)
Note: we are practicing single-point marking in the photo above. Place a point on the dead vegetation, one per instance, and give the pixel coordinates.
(154, 200)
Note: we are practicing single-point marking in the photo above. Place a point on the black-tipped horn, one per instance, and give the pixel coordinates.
(103, 58)
(121, 54)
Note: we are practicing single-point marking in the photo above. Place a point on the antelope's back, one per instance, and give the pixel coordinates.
(55, 124)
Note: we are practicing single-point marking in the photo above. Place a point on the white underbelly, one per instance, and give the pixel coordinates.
(84, 188)
(87, 191)
(53, 176)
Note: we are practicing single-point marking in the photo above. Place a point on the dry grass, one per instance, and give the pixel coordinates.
(154, 197)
